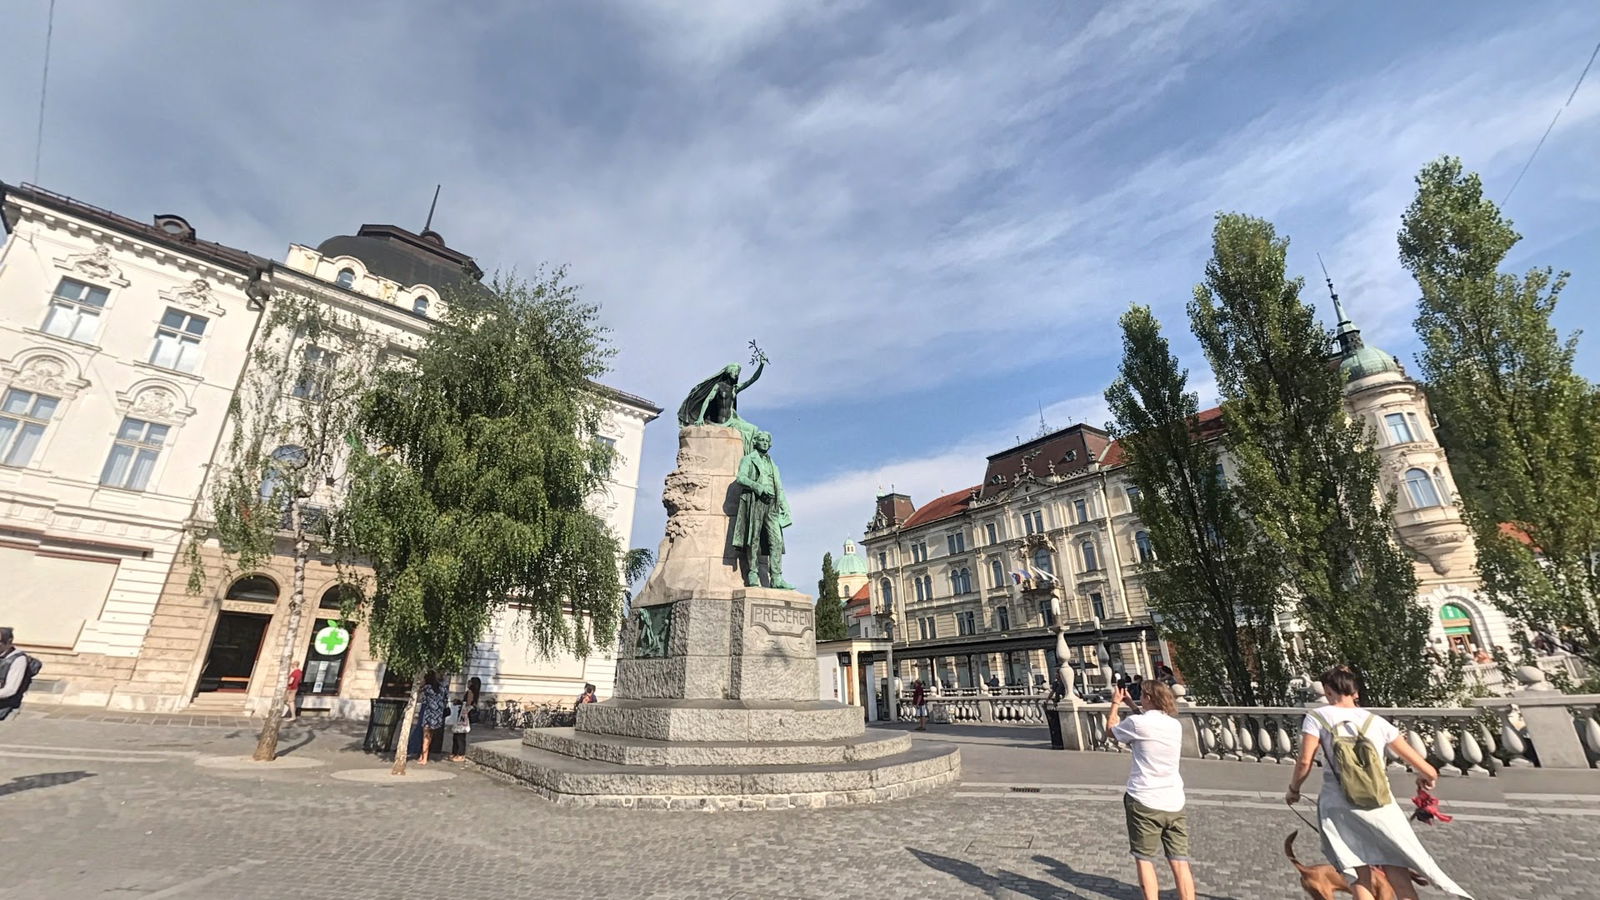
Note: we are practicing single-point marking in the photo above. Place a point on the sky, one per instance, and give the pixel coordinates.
(929, 214)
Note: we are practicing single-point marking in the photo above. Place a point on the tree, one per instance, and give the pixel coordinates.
(1307, 473)
(473, 484)
(830, 611)
(1218, 605)
(1521, 428)
(274, 492)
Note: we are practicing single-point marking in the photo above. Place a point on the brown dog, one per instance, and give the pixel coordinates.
(1323, 881)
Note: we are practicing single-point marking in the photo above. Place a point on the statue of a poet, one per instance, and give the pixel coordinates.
(763, 514)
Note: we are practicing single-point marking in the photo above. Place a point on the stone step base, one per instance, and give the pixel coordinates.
(592, 783)
(627, 751)
(722, 720)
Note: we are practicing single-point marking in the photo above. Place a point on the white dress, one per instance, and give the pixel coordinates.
(1368, 837)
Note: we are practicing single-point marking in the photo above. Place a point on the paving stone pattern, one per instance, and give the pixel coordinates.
(100, 810)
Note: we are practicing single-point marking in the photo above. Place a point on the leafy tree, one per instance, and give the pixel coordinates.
(1521, 428)
(830, 610)
(473, 483)
(274, 493)
(1218, 605)
(1307, 474)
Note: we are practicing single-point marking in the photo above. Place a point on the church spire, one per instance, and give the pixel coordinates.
(1347, 334)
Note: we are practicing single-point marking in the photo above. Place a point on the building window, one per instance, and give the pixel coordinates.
(75, 311)
(922, 629)
(956, 542)
(1041, 561)
(345, 278)
(315, 372)
(1416, 426)
(1091, 560)
(178, 341)
(1444, 490)
(1038, 521)
(886, 593)
(922, 595)
(1421, 489)
(1047, 613)
(134, 454)
(26, 416)
(1133, 496)
(883, 560)
(933, 628)
(1218, 473)
(420, 306)
(1399, 428)
(1002, 618)
(1141, 542)
(1081, 508)
(928, 580)
(993, 533)
(997, 573)
(1099, 604)
(966, 623)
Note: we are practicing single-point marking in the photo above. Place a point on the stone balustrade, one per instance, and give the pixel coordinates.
(974, 709)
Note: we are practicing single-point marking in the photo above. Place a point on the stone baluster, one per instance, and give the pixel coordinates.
(1264, 740)
(1589, 732)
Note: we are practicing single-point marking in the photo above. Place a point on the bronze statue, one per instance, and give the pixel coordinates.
(715, 401)
(763, 514)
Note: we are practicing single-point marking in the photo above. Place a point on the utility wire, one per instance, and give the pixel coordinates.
(1552, 124)
(44, 84)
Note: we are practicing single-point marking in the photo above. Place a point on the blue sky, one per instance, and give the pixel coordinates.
(929, 213)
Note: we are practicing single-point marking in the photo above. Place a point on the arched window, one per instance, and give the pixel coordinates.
(1419, 487)
(1091, 560)
(333, 598)
(1458, 630)
(886, 592)
(966, 581)
(284, 459)
(1141, 540)
(420, 306)
(927, 580)
(1041, 561)
(345, 278)
(997, 572)
(254, 588)
(921, 594)
(1444, 489)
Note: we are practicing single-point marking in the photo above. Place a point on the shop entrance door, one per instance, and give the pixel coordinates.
(234, 648)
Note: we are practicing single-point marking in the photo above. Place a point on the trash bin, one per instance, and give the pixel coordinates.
(382, 724)
(1052, 717)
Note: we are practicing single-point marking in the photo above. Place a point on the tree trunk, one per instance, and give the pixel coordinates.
(403, 741)
(267, 743)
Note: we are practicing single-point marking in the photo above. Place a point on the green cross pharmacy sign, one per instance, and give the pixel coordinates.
(332, 640)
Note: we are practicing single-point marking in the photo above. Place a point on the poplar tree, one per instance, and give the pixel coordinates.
(830, 610)
(1217, 604)
(1307, 473)
(473, 482)
(1521, 428)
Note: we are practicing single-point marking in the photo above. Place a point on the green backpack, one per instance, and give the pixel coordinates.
(1358, 765)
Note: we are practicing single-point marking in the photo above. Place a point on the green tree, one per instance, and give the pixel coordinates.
(830, 611)
(1307, 473)
(472, 484)
(1521, 428)
(276, 487)
(1217, 604)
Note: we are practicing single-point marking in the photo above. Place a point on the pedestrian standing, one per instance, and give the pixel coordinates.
(292, 691)
(17, 670)
(919, 699)
(1362, 826)
(463, 723)
(1153, 802)
(435, 706)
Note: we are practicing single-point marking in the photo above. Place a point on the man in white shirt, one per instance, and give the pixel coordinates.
(1154, 799)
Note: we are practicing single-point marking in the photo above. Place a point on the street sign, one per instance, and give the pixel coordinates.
(332, 640)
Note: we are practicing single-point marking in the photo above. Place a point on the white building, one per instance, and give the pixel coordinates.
(121, 343)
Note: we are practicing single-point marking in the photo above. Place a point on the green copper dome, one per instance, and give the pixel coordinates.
(1367, 361)
(850, 563)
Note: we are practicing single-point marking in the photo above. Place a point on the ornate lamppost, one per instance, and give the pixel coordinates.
(891, 700)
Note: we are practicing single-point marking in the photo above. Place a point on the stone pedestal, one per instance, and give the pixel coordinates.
(715, 700)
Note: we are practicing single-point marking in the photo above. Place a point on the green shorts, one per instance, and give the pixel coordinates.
(1153, 830)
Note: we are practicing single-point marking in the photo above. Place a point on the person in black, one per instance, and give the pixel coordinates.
(463, 723)
(15, 677)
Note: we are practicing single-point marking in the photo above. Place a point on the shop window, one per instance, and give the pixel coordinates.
(327, 656)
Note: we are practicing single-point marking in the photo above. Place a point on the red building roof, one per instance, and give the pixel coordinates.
(1208, 425)
(860, 603)
(942, 508)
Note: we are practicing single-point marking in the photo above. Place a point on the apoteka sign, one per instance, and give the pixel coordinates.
(332, 640)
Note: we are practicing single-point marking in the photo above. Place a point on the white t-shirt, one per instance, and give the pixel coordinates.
(1157, 742)
(1381, 732)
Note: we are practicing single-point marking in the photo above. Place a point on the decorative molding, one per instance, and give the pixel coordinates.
(196, 296)
(97, 265)
(155, 400)
(47, 373)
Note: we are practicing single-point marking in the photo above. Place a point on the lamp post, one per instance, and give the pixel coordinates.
(890, 700)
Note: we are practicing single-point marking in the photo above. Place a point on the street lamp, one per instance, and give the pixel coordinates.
(890, 700)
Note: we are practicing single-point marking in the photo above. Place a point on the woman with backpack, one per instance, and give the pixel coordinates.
(1362, 827)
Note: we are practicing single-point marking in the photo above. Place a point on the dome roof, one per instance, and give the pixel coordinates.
(1366, 361)
(850, 563)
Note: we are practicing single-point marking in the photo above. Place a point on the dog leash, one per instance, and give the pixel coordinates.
(1301, 816)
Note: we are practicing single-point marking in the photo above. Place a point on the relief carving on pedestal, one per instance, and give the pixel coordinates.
(655, 632)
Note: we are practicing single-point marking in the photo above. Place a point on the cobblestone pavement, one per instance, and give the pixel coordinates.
(94, 809)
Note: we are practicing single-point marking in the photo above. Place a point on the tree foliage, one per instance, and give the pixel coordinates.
(1217, 604)
(474, 477)
(1307, 473)
(1521, 428)
(276, 489)
(830, 609)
